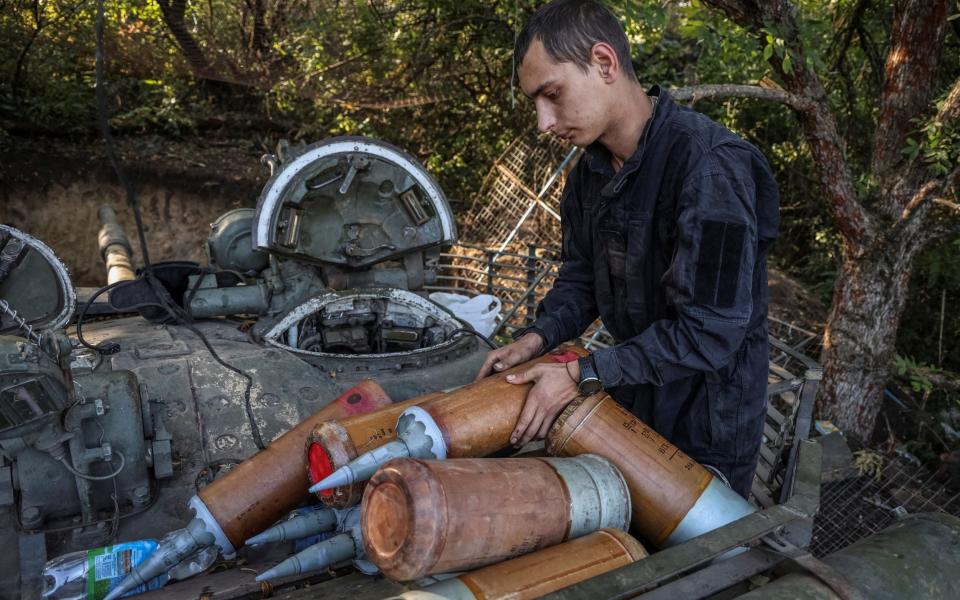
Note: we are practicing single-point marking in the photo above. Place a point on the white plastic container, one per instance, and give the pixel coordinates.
(480, 311)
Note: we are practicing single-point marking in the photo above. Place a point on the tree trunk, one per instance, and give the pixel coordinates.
(259, 39)
(859, 342)
(173, 12)
(880, 240)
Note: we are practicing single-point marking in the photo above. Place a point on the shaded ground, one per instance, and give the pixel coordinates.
(791, 302)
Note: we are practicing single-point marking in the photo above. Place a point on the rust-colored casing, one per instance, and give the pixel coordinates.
(664, 482)
(539, 573)
(266, 486)
(477, 419)
(421, 517)
(335, 443)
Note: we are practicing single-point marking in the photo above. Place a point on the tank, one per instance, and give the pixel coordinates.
(109, 427)
(913, 558)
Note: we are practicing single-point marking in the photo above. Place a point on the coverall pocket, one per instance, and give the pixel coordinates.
(616, 253)
(723, 408)
(639, 270)
(639, 238)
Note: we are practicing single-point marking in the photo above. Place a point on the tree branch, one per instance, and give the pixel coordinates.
(173, 12)
(916, 41)
(916, 178)
(942, 379)
(949, 112)
(944, 229)
(819, 124)
(873, 56)
(700, 92)
(849, 27)
(931, 190)
(947, 203)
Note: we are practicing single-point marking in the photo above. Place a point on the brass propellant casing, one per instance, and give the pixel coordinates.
(421, 517)
(665, 484)
(271, 483)
(539, 573)
(477, 419)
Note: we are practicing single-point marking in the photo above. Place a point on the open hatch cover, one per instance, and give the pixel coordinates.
(351, 201)
(34, 284)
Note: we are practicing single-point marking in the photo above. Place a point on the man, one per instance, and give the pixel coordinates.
(667, 219)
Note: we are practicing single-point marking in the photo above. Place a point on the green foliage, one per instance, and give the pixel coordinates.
(916, 373)
(44, 74)
(938, 145)
(434, 77)
(933, 300)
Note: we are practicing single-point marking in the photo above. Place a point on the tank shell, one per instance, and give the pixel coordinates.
(263, 488)
(477, 419)
(421, 517)
(539, 573)
(664, 482)
(333, 444)
(542, 572)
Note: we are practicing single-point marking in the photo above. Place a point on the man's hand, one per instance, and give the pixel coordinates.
(511, 355)
(554, 386)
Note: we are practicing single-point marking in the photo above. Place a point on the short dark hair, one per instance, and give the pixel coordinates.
(569, 29)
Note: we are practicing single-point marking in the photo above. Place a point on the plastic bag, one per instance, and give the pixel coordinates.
(91, 574)
(481, 311)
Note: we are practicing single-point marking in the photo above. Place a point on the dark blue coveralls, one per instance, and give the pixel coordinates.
(671, 253)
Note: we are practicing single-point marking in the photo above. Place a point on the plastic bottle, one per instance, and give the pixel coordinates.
(91, 574)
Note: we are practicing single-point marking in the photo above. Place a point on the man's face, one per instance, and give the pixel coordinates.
(570, 103)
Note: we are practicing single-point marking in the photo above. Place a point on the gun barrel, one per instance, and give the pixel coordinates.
(114, 247)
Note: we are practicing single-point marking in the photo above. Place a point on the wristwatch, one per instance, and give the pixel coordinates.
(589, 383)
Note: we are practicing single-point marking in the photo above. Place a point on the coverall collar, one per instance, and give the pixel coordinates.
(598, 157)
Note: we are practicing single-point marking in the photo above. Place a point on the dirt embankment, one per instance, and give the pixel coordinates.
(181, 188)
(793, 303)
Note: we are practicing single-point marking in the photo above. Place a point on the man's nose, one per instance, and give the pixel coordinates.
(545, 119)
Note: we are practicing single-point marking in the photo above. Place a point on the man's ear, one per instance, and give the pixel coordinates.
(604, 58)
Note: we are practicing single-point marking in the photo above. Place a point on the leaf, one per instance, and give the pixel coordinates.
(767, 51)
(787, 63)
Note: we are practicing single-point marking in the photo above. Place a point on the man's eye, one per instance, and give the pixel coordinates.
(553, 95)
